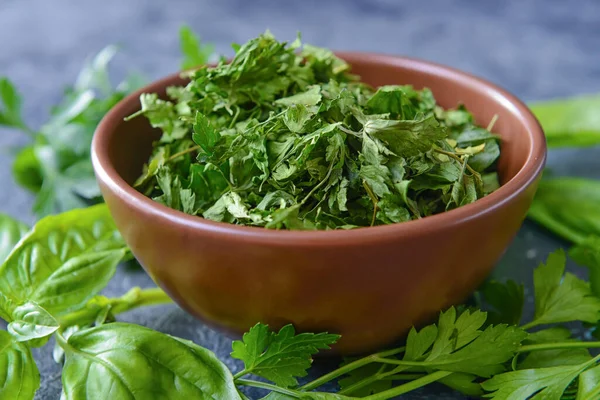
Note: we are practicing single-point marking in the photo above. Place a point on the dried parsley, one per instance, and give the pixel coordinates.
(284, 136)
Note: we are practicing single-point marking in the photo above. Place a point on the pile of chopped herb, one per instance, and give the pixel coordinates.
(284, 136)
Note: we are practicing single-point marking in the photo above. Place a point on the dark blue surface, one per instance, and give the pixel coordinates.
(536, 49)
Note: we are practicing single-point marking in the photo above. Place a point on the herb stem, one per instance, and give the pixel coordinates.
(134, 298)
(349, 368)
(457, 158)
(380, 375)
(530, 325)
(560, 345)
(492, 123)
(373, 199)
(408, 387)
(241, 373)
(182, 153)
(263, 385)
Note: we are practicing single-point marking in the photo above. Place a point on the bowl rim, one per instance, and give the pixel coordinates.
(528, 173)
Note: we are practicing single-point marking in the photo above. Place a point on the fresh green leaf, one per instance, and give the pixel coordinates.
(10, 107)
(126, 361)
(463, 383)
(534, 384)
(11, 231)
(94, 74)
(568, 207)
(587, 253)
(553, 357)
(279, 357)
(311, 97)
(506, 300)
(18, 373)
(573, 122)
(194, 52)
(485, 355)
(27, 171)
(30, 321)
(561, 297)
(204, 134)
(589, 384)
(387, 100)
(419, 342)
(64, 260)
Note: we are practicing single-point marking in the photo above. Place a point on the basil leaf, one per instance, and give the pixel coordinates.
(19, 375)
(568, 207)
(30, 321)
(126, 361)
(571, 122)
(64, 260)
(11, 231)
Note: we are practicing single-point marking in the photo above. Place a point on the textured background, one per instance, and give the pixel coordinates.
(537, 49)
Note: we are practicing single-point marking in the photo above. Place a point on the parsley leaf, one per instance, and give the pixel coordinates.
(10, 108)
(195, 53)
(506, 300)
(562, 297)
(536, 384)
(279, 357)
(587, 253)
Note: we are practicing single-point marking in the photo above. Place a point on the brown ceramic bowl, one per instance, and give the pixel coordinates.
(369, 284)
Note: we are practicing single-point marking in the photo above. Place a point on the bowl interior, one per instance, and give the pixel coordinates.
(130, 143)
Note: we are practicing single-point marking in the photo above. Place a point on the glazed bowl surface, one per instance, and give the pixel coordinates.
(368, 284)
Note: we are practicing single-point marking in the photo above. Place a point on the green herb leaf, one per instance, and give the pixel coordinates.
(587, 254)
(204, 134)
(30, 321)
(406, 138)
(506, 299)
(279, 357)
(11, 231)
(588, 388)
(463, 383)
(534, 384)
(126, 361)
(94, 74)
(419, 342)
(568, 207)
(10, 108)
(64, 260)
(18, 373)
(26, 169)
(561, 297)
(485, 355)
(194, 52)
(553, 358)
(570, 122)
